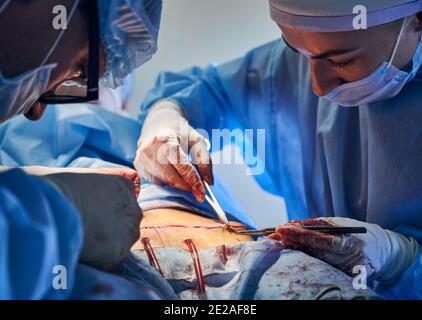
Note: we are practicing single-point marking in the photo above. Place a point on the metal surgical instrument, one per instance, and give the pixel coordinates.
(212, 200)
(324, 229)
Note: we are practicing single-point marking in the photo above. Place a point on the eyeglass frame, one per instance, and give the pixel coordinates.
(93, 64)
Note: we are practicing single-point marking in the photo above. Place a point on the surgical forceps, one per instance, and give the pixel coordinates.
(212, 200)
(324, 229)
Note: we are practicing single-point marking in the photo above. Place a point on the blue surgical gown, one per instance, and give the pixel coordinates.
(39, 230)
(364, 163)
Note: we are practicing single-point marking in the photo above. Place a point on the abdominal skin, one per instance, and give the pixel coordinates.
(171, 227)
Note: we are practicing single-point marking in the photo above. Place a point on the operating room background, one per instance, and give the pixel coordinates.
(199, 32)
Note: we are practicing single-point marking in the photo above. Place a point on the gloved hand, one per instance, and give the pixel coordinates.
(127, 173)
(384, 254)
(164, 147)
(109, 211)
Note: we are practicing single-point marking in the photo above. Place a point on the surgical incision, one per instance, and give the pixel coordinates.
(171, 227)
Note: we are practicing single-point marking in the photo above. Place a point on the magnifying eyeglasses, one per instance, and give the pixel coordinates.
(87, 89)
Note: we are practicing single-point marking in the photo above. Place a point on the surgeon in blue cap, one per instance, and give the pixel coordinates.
(59, 52)
(340, 101)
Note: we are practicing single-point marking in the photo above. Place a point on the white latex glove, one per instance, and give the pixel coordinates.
(164, 147)
(110, 214)
(385, 254)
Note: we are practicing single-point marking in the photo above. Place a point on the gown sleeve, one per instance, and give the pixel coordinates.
(217, 96)
(409, 286)
(40, 239)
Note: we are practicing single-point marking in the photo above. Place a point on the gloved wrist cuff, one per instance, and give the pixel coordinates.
(166, 105)
(403, 253)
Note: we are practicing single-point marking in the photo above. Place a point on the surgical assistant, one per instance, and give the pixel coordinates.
(351, 148)
(45, 223)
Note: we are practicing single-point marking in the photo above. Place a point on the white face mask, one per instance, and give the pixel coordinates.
(17, 95)
(384, 83)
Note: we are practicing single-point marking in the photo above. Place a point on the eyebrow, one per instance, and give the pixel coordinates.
(324, 55)
(332, 53)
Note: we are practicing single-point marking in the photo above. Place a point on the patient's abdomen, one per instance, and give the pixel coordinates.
(254, 270)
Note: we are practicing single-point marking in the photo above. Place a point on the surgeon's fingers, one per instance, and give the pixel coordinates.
(311, 222)
(160, 172)
(169, 175)
(274, 236)
(190, 176)
(181, 163)
(198, 150)
(296, 237)
(299, 238)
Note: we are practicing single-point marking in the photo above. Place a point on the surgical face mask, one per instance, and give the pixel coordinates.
(18, 95)
(384, 83)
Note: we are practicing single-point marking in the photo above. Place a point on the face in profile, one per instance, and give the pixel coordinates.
(336, 58)
(31, 37)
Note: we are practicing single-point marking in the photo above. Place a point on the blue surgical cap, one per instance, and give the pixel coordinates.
(129, 34)
(335, 15)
